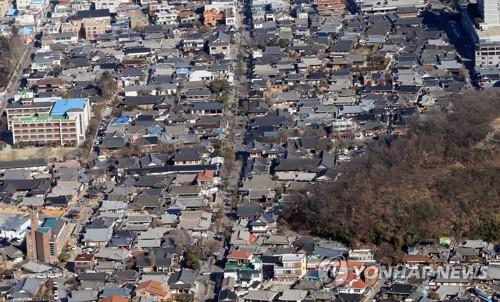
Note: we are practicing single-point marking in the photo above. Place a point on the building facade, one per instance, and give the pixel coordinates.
(62, 122)
(488, 54)
(46, 242)
(491, 11)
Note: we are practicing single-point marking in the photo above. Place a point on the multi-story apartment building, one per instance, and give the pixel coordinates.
(488, 54)
(488, 35)
(382, 7)
(91, 22)
(244, 268)
(20, 109)
(46, 242)
(280, 5)
(111, 5)
(490, 9)
(165, 13)
(62, 122)
(291, 268)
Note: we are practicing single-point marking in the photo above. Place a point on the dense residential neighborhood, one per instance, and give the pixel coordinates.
(168, 136)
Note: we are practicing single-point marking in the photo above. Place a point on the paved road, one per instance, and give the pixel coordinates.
(233, 136)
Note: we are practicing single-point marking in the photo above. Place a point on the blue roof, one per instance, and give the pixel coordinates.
(62, 106)
(24, 31)
(11, 12)
(47, 225)
(121, 120)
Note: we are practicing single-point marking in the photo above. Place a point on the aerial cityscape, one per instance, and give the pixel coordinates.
(250, 150)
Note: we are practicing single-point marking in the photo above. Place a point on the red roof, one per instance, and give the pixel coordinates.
(152, 287)
(239, 255)
(114, 298)
(252, 238)
(206, 175)
(84, 257)
(358, 284)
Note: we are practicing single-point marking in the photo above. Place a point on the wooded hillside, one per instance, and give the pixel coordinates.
(10, 54)
(443, 178)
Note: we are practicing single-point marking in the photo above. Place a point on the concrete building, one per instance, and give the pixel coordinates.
(291, 268)
(91, 23)
(46, 242)
(382, 7)
(62, 122)
(488, 35)
(111, 5)
(491, 11)
(488, 54)
(31, 253)
(23, 4)
(220, 44)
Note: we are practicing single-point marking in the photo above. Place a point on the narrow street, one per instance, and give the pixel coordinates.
(233, 137)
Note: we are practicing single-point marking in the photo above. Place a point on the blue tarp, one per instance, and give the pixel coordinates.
(121, 120)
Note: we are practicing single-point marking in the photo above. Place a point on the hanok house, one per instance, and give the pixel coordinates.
(92, 280)
(182, 282)
(143, 102)
(212, 108)
(187, 157)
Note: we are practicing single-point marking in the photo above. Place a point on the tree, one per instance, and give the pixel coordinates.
(434, 296)
(441, 178)
(107, 84)
(219, 86)
(10, 50)
(191, 259)
(280, 190)
(220, 214)
(58, 68)
(211, 246)
(283, 43)
(223, 99)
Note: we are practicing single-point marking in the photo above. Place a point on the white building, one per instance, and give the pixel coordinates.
(488, 46)
(112, 5)
(488, 54)
(23, 4)
(14, 227)
(491, 11)
(382, 7)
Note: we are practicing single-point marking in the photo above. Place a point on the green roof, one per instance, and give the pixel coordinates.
(231, 266)
(34, 118)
